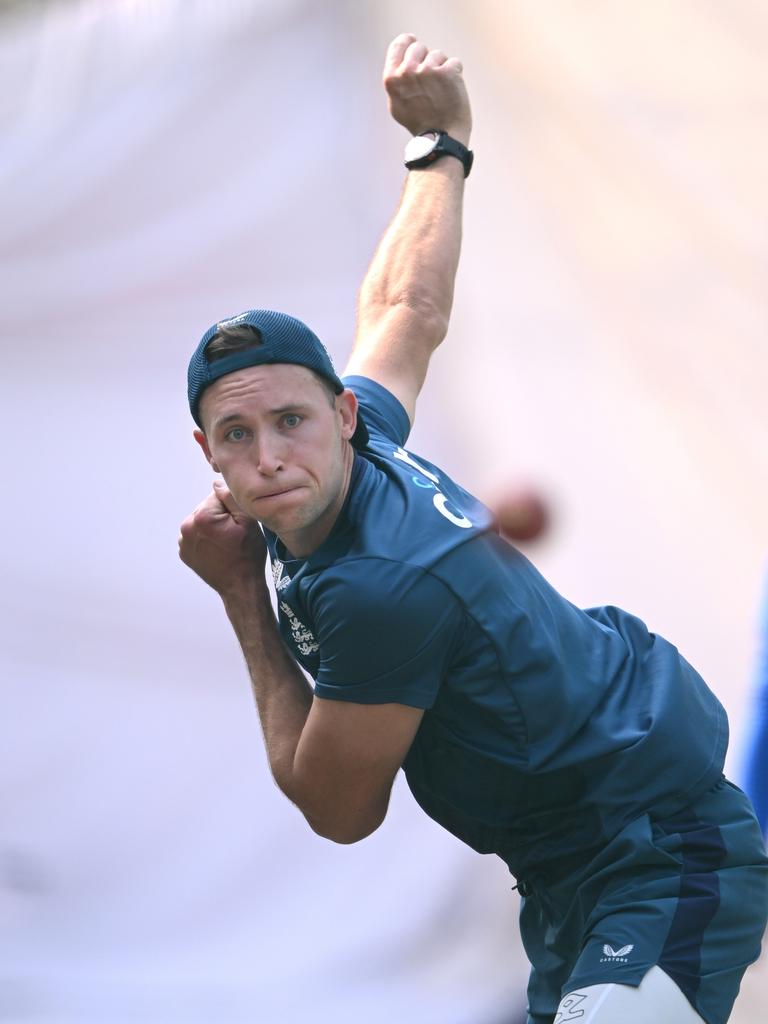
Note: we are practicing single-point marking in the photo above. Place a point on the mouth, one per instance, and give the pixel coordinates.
(275, 494)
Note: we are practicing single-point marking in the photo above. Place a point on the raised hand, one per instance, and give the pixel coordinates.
(221, 544)
(426, 89)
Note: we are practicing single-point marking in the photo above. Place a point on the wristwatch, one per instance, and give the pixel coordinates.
(424, 149)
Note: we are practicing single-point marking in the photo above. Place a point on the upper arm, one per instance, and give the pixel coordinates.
(387, 633)
(348, 756)
(393, 348)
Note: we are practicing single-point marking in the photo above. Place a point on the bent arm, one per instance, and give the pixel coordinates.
(335, 760)
(406, 298)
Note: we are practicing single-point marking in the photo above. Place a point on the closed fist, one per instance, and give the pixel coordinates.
(426, 89)
(221, 544)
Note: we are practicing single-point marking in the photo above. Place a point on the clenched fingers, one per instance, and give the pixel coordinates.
(414, 55)
(434, 59)
(454, 64)
(395, 51)
(225, 548)
(425, 89)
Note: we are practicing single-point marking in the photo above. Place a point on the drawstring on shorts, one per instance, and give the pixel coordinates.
(523, 888)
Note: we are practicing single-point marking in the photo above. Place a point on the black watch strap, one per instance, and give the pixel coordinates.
(452, 147)
(445, 145)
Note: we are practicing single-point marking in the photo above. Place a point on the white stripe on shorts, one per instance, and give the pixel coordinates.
(657, 1000)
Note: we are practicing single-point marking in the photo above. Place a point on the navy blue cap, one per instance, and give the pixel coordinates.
(284, 339)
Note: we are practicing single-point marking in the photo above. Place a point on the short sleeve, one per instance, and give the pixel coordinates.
(383, 414)
(387, 633)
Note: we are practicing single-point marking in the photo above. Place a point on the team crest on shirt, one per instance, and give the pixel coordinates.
(616, 956)
(303, 638)
(280, 579)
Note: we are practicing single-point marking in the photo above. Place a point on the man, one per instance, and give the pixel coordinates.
(574, 744)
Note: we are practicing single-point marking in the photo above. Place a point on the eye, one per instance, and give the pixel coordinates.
(235, 434)
(291, 420)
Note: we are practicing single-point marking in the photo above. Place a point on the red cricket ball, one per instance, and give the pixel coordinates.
(522, 513)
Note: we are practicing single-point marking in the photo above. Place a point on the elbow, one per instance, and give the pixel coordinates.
(425, 307)
(344, 832)
(408, 314)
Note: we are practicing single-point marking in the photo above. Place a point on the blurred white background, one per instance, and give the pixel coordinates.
(166, 164)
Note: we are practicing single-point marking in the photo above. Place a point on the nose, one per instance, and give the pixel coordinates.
(269, 455)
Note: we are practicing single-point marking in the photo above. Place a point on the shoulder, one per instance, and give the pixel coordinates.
(387, 631)
(371, 590)
(384, 415)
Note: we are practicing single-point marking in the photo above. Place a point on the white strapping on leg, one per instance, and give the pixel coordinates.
(657, 1000)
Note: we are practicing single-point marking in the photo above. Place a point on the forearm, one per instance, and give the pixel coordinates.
(283, 696)
(414, 268)
(310, 744)
(337, 805)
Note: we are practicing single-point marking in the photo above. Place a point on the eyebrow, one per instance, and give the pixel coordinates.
(293, 407)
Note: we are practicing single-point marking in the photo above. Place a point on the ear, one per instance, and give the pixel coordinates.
(346, 406)
(202, 440)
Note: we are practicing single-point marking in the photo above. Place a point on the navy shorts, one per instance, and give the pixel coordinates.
(687, 892)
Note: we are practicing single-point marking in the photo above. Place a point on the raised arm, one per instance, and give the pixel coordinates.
(406, 297)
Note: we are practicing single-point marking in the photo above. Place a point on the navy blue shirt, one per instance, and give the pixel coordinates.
(546, 727)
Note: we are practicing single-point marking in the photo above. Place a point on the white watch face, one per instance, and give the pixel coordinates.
(420, 146)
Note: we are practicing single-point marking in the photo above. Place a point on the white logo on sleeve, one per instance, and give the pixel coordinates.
(616, 956)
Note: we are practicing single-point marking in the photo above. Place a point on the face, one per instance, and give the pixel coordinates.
(281, 447)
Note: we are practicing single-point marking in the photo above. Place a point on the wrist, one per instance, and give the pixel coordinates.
(434, 144)
(461, 133)
(247, 593)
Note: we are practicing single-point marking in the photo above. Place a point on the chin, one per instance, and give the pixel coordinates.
(290, 521)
